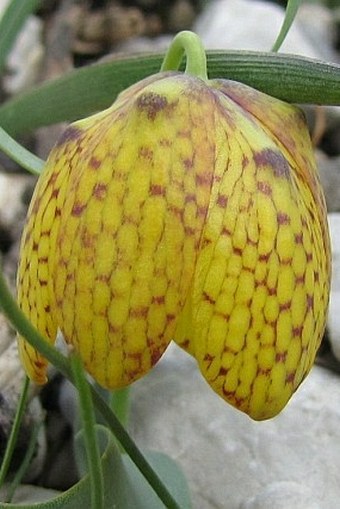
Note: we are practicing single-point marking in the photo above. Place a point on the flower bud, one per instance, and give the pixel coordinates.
(190, 210)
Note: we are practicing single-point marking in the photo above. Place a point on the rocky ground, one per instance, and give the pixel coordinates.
(290, 462)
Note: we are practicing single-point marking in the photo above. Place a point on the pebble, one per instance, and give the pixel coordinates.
(231, 461)
(254, 25)
(25, 59)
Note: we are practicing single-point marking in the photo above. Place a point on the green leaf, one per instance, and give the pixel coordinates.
(79, 495)
(86, 90)
(11, 22)
(291, 11)
(124, 485)
(135, 492)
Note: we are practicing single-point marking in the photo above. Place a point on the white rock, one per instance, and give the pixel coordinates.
(334, 304)
(230, 460)
(254, 25)
(25, 59)
(12, 188)
(282, 495)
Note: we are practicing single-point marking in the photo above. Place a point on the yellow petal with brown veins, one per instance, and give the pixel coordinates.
(260, 292)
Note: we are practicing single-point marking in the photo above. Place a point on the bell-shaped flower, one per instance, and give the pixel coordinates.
(190, 210)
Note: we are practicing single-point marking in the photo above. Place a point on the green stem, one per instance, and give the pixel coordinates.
(20, 154)
(132, 450)
(14, 431)
(88, 423)
(120, 404)
(37, 341)
(191, 45)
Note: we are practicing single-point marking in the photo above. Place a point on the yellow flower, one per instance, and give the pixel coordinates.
(190, 210)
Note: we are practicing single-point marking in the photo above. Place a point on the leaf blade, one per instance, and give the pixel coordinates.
(86, 90)
(291, 11)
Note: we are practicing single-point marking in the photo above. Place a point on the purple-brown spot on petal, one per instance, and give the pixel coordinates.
(70, 134)
(281, 356)
(78, 209)
(238, 251)
(285, 306)
(203, 179)
(188, 230)
(290, 377)
(157, 190)
(299, 238)
(222, 200)
(273, 158)
(283, 218)
(264, 188)
(297, 331)
(170, 317)
(95, 163)
(99, 191)
(151, 104)
(140, 312)
(188, 163)
(208, 298)
(264, 257)
(158, 299)
(310, 302)
(145, 153)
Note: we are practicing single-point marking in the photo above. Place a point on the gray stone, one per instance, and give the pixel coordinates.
(329, 170)
(230, 460)
(334, 304)
(282, 495)
(255, 24)
(25, 59)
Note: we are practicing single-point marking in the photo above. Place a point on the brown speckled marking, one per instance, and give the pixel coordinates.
(151, 103)
(283, 218)
(100, 191)
(269, 157)
(72, 133)
(78, 209)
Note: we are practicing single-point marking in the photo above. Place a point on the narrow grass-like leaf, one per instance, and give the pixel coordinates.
(10, 23)
(291, 11)
(29, 453)
(10, 446)
(20, 154)
(86, 90)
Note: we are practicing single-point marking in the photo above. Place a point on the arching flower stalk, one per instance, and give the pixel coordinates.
(190, 210)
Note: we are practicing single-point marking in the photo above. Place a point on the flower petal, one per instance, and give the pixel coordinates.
(260, 291)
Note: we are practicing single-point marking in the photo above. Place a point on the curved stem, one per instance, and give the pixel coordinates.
(191, 45)
(20, 154)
